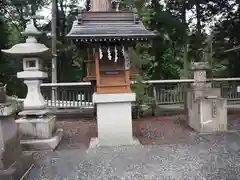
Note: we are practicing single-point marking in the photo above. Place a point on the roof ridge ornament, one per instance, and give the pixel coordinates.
(80, 18)
(136, 16)
(115, 4)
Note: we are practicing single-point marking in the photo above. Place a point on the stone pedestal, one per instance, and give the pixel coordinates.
(14, 164)
(37, 127)
(38, 130)
(114, 119)
(206, 109)
(34, 100)
(207, 114)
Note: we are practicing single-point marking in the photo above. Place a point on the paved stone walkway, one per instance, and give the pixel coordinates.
(214, 157)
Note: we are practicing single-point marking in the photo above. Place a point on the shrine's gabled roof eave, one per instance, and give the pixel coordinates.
(109, 26)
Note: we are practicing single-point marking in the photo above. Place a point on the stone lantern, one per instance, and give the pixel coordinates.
(37, 127)
(31, 52)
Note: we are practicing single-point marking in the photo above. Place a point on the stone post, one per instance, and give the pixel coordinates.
(207, 110)
(200, 78)
(14, 164)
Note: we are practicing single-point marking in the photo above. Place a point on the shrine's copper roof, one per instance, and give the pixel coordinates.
(109, 26)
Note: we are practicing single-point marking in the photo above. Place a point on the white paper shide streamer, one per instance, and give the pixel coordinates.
(109, 54)
(126, 58)
(100, 53)
(116, 54)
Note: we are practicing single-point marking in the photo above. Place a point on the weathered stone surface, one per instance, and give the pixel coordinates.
(207, 115)
(38, 131)
(43, 144)
(37, 127)
(200, 66)
(206, 110)
(114, 127)
(13, 164)
(9, 143)
(43, 112)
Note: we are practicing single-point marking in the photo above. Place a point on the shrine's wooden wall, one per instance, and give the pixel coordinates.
(111, 79)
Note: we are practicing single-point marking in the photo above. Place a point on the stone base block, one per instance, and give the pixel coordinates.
(94, 143)
(37, 127)
(43, 144)
(208, 114)
(19, 169)
(114, 118)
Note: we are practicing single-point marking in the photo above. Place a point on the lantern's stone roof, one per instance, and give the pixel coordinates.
(31, 47)
(27, 49)
(109, 26)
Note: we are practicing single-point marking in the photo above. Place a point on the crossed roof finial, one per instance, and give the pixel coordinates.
(115, 4)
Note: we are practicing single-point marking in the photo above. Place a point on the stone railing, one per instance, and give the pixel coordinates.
(165, 92)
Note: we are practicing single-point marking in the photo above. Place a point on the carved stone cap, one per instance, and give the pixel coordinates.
(200, 66)
(31, 30)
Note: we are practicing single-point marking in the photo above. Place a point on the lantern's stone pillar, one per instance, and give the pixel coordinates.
(206, 109)
(14, 164)
(114, 119)
(38, 129)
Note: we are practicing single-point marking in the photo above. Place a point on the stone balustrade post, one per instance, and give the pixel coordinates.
(13, 162)
(206, 109)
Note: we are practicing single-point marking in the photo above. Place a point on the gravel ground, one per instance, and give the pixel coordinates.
(172, 151)
(149, 131)
(77, 134)
(202, 161)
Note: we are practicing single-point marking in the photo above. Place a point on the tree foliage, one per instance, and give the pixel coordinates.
(186, 31)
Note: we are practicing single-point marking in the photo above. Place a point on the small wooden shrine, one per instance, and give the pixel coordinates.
(108, 33)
